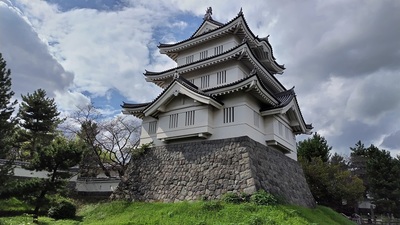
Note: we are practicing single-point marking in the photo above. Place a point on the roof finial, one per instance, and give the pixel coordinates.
(240, 12)
(208, 14)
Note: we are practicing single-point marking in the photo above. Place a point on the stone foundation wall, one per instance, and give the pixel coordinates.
(191, 171)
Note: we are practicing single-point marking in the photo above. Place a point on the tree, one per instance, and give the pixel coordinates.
(7, 122)
(317, 146)
(328, 176)
(381, 175)
(56, 158)
(110, 141)
(92, 157)
(39, 120)
(118, 139)
(47, 151)
(330, 184)
(339, 160)
(384, 179)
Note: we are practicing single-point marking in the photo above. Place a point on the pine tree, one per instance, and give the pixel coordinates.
(7, 122)
(48, 151)
(39, 118)
(315, 147)
(56, 158)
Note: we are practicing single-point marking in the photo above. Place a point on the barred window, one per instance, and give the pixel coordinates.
(173, 120)
(221, 77)
(218, 50)
(152, 127)
(229, 115)
(205, 81)
(189, 118)
(204, 54)
(189, 59)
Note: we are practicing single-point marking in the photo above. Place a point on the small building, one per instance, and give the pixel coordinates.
(224, 85)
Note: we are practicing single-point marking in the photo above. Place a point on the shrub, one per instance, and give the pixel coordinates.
(263, 198)
(234, 198)
(62, 208)
(245, 197)
(231, 198)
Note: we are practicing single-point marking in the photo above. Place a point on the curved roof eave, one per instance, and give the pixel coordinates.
(249, 83)
(235, 21)
(154, 76)
(134, 109)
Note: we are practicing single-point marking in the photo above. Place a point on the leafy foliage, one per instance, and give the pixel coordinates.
(39, 119)
(62, 208)
(262, 197)
(7, 122)
(47, 150)
(314, 147)
(56, 158)
(328, 177)
(141, 150)
(381, 174)
(231, 197)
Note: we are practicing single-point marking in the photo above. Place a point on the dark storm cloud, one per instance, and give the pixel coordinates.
(343, 57)
(27, 56)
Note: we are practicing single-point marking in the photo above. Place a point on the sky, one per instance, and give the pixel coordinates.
(342, 56)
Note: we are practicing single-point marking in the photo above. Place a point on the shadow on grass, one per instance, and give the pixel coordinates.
(5, 213)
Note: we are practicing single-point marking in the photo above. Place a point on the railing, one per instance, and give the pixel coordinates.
(364, 221)
(25, 164)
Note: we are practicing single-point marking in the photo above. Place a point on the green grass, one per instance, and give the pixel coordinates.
(13, 204)
(200, 213)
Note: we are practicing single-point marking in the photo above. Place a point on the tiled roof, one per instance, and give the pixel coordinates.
(150, 73)
(284, 97)
(265, 39)
(133, 106)
(242, 80)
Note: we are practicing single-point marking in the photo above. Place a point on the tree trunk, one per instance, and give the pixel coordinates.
(39, 200)
(38, 203)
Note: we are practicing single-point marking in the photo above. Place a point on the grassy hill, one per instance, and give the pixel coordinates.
(200, 213)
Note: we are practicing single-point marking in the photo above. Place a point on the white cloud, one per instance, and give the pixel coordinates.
(32, 66)
(342, 56)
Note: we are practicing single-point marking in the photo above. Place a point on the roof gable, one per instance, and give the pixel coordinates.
(206, 26)
(177, 87)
